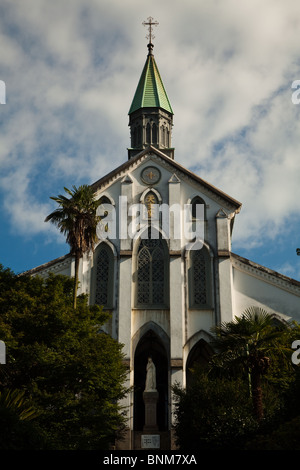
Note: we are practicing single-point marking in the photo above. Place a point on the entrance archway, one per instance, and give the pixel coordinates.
(150, 345)
(199, 355)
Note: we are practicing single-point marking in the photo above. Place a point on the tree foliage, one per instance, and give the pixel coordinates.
(68, 368)
(76, 217)
(252, 341)
(215, 411)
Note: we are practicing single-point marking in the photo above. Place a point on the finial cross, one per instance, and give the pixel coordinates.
(150, 23)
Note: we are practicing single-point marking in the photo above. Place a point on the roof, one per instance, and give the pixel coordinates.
(265, 270)
(46, 265)
(150, 92)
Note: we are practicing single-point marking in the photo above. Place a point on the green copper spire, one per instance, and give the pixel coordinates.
(150, 114)
(150, 92)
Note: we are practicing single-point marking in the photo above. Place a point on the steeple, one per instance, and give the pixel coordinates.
(150, 114)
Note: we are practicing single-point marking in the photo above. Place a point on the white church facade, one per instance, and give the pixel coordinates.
(164, 286)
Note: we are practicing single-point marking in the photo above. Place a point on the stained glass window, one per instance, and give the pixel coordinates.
(151, 272)
(104, 276)
(199, 279)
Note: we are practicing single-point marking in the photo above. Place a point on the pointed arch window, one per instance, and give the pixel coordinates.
(134, 137)
(139, 136)
(163, 135)
(152, 273)
(154, 133)
(200, 279)
(104, 276)
(198, 201)
(148, 133)
(198, 216)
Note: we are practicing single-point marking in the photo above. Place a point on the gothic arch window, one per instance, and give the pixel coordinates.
(134, 137)
(152, 273)
(200, 279)
(148, 133)
(198, 357)
(198, 201)
(163, 131)
(105, 200)
(139, 135)
(104, 276)
(154, 133)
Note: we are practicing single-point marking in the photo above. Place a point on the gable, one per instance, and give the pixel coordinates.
(177, 171)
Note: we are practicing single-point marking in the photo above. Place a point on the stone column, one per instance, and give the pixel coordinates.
(224, 266)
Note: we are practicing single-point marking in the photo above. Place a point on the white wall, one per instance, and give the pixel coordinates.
(268, 292)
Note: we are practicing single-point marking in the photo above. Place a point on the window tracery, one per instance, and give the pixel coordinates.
(104, 276)
(151, 272)
(200, 279)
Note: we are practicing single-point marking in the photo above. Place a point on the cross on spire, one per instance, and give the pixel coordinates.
(150, 23)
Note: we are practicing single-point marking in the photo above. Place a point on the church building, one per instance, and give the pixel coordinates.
(163, 266)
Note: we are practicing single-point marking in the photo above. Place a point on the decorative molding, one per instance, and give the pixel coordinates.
(169, 164)
(223, 253)
(51, 266)
(177, 363)
(175, 253)
(125, 253)
(221, 214)
(174, 179)
(127, 179)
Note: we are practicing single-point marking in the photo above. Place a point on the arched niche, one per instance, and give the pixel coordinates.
(154, 343)
(198, 356)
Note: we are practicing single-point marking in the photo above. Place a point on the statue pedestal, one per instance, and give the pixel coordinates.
(150, 400)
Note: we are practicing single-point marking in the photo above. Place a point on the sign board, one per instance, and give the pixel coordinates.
(150, 441)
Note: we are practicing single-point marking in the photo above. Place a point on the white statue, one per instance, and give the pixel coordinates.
(151, 376)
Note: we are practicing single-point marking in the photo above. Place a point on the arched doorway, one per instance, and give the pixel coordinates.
(198, 356)
(150, 345)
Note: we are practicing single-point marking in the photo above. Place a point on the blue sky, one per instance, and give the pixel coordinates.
(71, 68)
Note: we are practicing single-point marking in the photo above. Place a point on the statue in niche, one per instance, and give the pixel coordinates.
(150, 376)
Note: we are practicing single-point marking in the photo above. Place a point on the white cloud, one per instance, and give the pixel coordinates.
(71, 69)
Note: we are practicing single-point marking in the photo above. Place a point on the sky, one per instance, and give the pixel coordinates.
(70, 69)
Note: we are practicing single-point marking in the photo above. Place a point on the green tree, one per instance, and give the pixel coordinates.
(70, 371)
(212, 413)
(16, 414)
(76, 218)
(253, 341)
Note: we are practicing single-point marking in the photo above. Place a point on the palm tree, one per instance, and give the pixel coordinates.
(77, 219)
(250, 341)
(14, 401)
